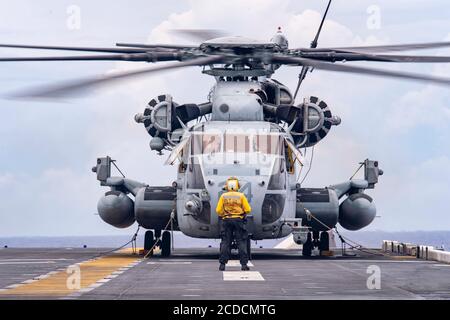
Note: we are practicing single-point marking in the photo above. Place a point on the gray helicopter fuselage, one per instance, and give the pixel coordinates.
(236, 142)
(252, 151)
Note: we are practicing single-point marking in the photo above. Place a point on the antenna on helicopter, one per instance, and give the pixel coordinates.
(305, 69)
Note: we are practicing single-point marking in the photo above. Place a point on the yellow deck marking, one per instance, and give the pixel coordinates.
(91, 272)
(403, 257)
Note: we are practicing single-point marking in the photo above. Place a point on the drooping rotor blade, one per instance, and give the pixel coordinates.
(156, 46)
(200, 35)
(327, 66)
(384, 48)
(145, 57)
(63, 48)
(76, 86)
(359, 56)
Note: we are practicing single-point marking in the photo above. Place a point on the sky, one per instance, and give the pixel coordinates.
(47, 149)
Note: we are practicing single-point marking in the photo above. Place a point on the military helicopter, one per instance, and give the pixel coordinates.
(250, 127)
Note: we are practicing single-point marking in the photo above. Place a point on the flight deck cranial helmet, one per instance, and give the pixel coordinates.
(232, 184)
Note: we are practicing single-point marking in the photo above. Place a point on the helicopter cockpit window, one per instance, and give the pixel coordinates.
(194, 176)
(236, 143)
(278, 177)
(205, 143)
(268, 143)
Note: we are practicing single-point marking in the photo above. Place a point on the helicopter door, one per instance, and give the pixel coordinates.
(175, 154)
(297, 154)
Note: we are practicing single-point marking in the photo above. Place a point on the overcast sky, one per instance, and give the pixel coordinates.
(48, 149)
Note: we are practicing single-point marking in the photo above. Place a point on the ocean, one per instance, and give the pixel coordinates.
(371, 239)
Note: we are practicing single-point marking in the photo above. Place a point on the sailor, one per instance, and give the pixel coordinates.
(232, 209)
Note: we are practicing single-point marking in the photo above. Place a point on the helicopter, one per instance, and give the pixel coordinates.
(250, 127)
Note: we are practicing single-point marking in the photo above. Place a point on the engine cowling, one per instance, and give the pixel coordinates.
(310, 121)
(116, 209)
(154, 206)
(357, 211)
(163, 119)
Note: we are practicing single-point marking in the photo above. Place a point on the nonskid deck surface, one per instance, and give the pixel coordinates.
(193, 274)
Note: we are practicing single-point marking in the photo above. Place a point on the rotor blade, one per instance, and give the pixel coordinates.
(398, 47)
(384, 48)
(154, 46)
(110, 57)
(359, 56)
(63, 48)
(201, 35)
(75, 86)
(407, 58)
(146, 57)
(316, 38)
(360, 70)
(305, 69)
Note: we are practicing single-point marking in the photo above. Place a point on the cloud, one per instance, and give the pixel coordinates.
(47, 151)
(55, 202)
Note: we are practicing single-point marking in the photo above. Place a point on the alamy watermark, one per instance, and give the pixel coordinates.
(73, 21)
(373, 21)
(374, 280)
(73, 281)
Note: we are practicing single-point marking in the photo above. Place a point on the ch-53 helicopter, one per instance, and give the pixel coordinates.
(250, 128)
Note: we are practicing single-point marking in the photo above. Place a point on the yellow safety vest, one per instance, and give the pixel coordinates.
(233, 204)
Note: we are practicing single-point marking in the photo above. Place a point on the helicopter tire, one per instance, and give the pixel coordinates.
(324, 243)
(315, 238)
(166, 244)
(149, 241)
(157, 236)
(307, 246)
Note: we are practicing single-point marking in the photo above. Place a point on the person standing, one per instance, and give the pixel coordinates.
(232, 209)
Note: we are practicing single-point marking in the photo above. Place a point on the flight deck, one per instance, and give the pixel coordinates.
(76, 273)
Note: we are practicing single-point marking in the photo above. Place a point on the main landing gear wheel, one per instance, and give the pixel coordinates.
(315, 238)
(166, 244)
(324, 242)
(149, 241)
(157, 236)
(307, 246)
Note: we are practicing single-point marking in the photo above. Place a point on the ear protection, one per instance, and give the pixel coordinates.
(232, 184)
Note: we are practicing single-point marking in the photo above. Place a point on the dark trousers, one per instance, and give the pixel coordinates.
(237, 227)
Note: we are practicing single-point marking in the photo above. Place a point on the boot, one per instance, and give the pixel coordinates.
(222, 267)
(244, 267)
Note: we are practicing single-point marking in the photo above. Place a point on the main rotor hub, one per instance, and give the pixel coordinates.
(236, 42)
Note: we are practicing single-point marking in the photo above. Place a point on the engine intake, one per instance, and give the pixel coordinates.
(162, 117)
(310, 121)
